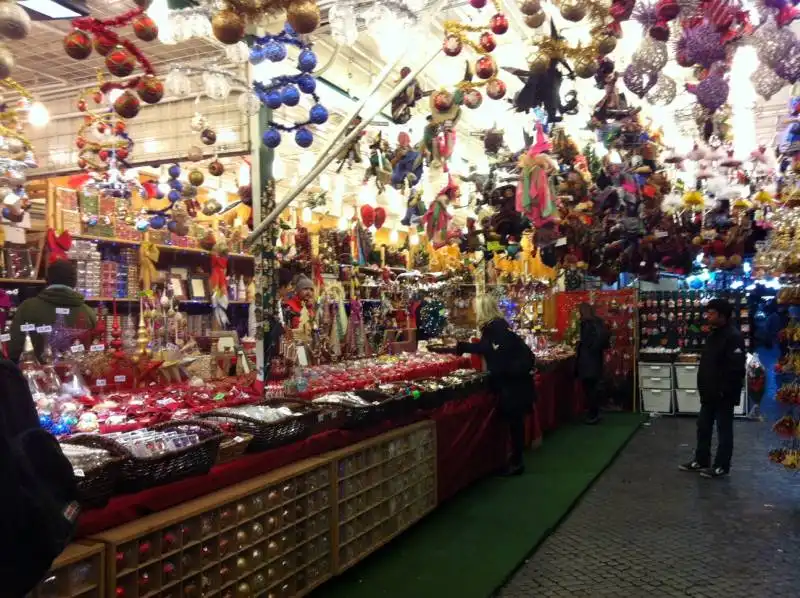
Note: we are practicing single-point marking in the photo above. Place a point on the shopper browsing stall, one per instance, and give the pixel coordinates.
(720, 377)
(58, 306)
(592, 343)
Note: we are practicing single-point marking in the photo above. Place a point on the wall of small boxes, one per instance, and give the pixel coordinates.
(279, 535)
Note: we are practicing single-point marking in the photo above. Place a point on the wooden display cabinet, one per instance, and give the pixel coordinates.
(269, 536)
(383, 486)
(77, 573)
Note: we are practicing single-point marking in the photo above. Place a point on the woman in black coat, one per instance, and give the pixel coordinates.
(510, 363)
(593, 341)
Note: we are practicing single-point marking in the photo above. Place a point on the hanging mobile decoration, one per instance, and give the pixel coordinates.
(285, 90)
(456, 37)
(122, 56)
(229, 22)
(16, 154)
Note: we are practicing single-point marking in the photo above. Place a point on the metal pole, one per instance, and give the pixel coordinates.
(328, 155)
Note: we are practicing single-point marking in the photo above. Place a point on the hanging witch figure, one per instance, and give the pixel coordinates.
(352, 153)
(544, 89)
(437, 218)
(380, 165)
(406, 99)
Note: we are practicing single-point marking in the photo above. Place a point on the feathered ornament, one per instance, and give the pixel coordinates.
(693, 200)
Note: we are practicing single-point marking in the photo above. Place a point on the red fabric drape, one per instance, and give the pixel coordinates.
(219, 268)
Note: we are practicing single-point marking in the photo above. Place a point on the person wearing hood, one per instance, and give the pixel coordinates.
(59, 298)
(303, 297)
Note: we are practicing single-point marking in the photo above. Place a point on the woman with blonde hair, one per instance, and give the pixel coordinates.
(510, 364)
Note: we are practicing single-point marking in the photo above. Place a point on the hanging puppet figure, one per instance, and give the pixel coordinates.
(379, 163)
(406, 99)
(406, 164)
(536, 192)
(437, 218)
(352, 153)
(439, 138)
(415, 208)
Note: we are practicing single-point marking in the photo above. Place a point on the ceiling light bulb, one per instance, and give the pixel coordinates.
(414, 239)
(38, 115)
(307, 216)
(394, 237)
(342, 223)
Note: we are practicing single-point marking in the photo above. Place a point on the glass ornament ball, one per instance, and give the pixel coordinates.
(249, 103)
(174, 195)
(273, 99)
(307, 61)
(773, 45)
(663, 92)
(344, 27)
(530, 7)
(766, 82)
(177, 83)
(452, 45)
(652, 55)
(318, 114)
(274, 50)
(303, 16)
(304, 138)
(217, 86)
(306, 83)
(271, 138)
(495, 89)
(237, 53)
(157, 222)
(257, 55)
(174, 171)
(290, 95)
(15, 23)
(473, 99)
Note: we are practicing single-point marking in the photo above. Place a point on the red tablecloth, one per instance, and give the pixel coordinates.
(471, 443)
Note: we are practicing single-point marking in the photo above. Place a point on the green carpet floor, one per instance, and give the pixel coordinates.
(471, 545)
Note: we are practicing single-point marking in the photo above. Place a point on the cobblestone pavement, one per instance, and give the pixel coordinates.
(646, 529)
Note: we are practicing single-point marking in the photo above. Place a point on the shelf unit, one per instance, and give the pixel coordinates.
(279, 535)
(161, 247)
(18, 281)
(77, 573)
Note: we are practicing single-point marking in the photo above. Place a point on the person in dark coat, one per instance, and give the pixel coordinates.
(511, 364)
(592, 343)
(720, 379)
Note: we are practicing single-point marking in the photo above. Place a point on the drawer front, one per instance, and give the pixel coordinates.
(655, 370)
(650, 382)
(655, 400)
(687, 400)
(686, 376)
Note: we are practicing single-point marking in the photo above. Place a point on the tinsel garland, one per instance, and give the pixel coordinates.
(11, 116)
(266, 278)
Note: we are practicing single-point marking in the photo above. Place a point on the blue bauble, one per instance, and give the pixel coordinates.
(174, 171)
(176, 184)
(69, 420)
(142, 225)
(45, 420)
(303, 137)
(172, 226)
(288, 29)
(174, 195)
(271, 138)
(290, 95)
(157, 221)
(274, 51)
(60, 429)
(274, 99)
(306, 83)
(6, 212)
(307, 61)
(318, 114)
(92, 220)
(257, 55)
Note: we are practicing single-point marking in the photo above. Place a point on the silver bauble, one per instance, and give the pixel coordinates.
(14, 21)
(773, 44)
(663, 92)
(766, 83)
(195, 154)
(6, 62)
(652, 55)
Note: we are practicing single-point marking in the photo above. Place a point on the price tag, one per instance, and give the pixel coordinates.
(4, 338)
(97, 348)
(119, 379)
(28, 328)
(660, 234)
(561, 242)
(238, 439)
(62, 311)
(100, 382)
(77, 348)
(44, 329)
(78, 473)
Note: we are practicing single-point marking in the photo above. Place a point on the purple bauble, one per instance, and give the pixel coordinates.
(789, 67)
(704, 45)
(638, 80)
(712, 92)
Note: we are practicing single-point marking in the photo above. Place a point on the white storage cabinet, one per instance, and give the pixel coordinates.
(655, 386)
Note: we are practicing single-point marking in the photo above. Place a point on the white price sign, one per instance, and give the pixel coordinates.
(28, 328)
(77, 348)
(119, 379)
(97, 348)
(44, 329)
(100, 382)
(62, 311)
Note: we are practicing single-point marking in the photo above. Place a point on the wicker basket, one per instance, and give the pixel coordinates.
(233, 447)
(137, 473)
(97, 485)
(351, 417)
(307, 420)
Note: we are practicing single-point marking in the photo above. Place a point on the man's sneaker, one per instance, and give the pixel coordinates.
(692, 466)
(714, 472)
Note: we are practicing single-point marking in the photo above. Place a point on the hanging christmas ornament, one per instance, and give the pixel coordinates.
(496, 89)
(702, 45)
(452, 45)
(638, 80)
(120, 62)
(195, 154)
(343, 23)
(789, 67)
(367, 215)
(663, 92)
(773, 44)
(271, 138)
(6, 62)
(473, 99)
(652, 55)
(487, 42)
(766, 82)
(196, 178)
(78, 45)
(14, 21)
(499, 23)
(228, 27)
(127, 105)
(145, 28)
(177, 83)
(380, 217)
(711, 92)
(150, 89)
(530, 7)
(303, 16)
(303, 137)
(216, 168)
(573, 10)
(486, 67)
(585, 68)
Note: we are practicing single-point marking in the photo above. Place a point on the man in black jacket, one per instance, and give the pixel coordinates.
(592, 343)
(720, 377)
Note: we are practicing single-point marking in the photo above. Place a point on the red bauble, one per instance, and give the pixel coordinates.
(477, 3)
(103, 155)
(442, 101)
(495, 89)
(120, 592)
(120, 62)
(473, 98)
(80, 143)
(145, 28)
(380, 217)
(127, 105)
(119, 127)
(103, 44)
(82, 163)
(486, 67)
(150, 89)
(122, 153)
(452, 45)
(216, 168)
(499, 24)
(82, 106)
(488, 42)
(367, 215)
(97, 97)
(78, 45)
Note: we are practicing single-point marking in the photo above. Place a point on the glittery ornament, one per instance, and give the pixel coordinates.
(442, 101)
(585, 68)
(127, 105)
(539, 64)
(789, 67)
(530, 7)
(307, 61)
(290, 95)
(195, 154)
(606, 44)
(766, 82)
(472, 98)
(243, 590)
(216, 168)
(487, 42)
(145, 28)
(177, 83)
(303, 16)
(307, 83)
(535, 20)
(228, 27)
(150, 89)
(573, 10)
(651, 55)
(638, 80)
(196, 178)
(663, 92)
(498, 24)
(103, 44)
(773, 44)
(486, 67)
(216, 86)
(78, 45)
(271, 138)
(208, 137)
(120, 62)
(712, 92)
(703, 45)
(14, 21)
(495, 89)
(452, 45)
(318, 114)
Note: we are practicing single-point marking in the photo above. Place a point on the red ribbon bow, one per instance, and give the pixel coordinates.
(58, 245)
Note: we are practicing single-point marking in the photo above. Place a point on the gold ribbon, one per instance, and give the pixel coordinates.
(148, 256)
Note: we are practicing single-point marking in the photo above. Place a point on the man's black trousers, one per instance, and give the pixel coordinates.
(720, 412)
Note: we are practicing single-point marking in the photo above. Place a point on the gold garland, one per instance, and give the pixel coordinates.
(459, 31)
(10, 125)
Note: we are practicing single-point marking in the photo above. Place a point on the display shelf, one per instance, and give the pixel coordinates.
(22, 281)
(77, 573)
(136, 300)
(161, 247)
(267, 536)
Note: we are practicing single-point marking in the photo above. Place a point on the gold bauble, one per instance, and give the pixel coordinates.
(539, 64)
(530, 7)
(535, 20)
(196, 178)
(228, 27)
(249, 7)
(573, 11)
(243, 590)
(303, 16)
(606, 44)
(585, 68)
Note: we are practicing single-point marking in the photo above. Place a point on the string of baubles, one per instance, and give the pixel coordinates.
(229, 23)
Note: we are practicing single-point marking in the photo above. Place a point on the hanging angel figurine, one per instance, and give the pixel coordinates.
(437, 218)
(536, 192)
